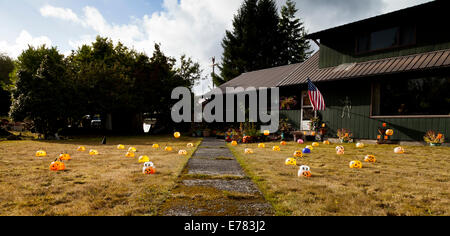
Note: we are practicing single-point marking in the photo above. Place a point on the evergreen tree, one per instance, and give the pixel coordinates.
(295, 48)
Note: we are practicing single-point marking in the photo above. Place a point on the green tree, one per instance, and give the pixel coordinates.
(6, 68)
(294, 46)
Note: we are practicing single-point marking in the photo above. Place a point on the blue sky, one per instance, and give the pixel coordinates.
(192, 27)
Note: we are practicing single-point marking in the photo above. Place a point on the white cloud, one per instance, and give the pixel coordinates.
(21, 43)
(61, 13)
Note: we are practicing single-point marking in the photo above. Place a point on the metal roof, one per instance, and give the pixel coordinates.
(310, 68)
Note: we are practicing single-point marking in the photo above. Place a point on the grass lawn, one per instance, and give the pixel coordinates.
(414, 183)
(108, 184)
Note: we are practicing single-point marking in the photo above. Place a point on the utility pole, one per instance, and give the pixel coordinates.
(214, 68)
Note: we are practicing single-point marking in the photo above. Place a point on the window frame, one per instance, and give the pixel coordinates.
(398, 46)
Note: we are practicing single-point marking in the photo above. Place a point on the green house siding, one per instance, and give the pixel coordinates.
(293, 116)
(360, 122)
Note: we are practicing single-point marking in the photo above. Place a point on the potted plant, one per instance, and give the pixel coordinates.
(345, 136)
(434, 139)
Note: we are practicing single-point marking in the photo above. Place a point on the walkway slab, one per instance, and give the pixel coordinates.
(214, 167)
(213, 153)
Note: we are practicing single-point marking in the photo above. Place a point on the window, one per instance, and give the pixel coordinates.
(412, 97)
(387, 38)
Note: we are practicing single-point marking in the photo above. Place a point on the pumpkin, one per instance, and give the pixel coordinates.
(190, 145)
(355, 165)
(313, 133)
(326, 142)
(370, 158)
(130, 154)
(266, 132)
(155, 146)
(399, 150)
(234, 143)
(306, 151)
(177, 134)
(283, 143)
(182, 152)
(276, 148)
(324, 125)
(300, 141)
(120, 147)
(93, 152)
(144, 159)
(41, 153)
(150, 170)
(384, 125)
(57, 166)
(62, 166)
(340, 152)
(249, 151)
(261, 145)
(360, 145)
(132, 149)
(315, 144)
(168, 149)
(149, 164)
(291, 162)
(246, 139)
(304, 171)
(386, 137)
(298, 154)
(340, 147)
(65, 157)
(310, 147)
(81, 149)
(389, 132)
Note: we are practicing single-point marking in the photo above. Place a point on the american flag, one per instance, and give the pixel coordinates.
(316, 97)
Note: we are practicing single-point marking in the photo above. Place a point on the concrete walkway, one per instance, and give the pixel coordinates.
(214, 184)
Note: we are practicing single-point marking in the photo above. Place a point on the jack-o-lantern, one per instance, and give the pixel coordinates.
(41, 153)
(389, 132)
(93, 152)
(81, 149)
(315, 144)
(340, 147)
(177, 134)
(355, 165)
(304, 171)
(283, 143)
(234, 143)
(310, 147)
(168, 149)
(155, 146)
(130, 154)
(370, 158)
(261, 145)
(326, 142)
(300, 141)
(249, 151)
(276, 148)
(149, 164)
(298, 154)
(65, 157)
(306, 151)
(182, 152)
(190, 145)
(360, 145)
(340, 152)
(132, 149)
(399, 150)
(144, 159)
(291, 162)
(120, 147)
(150, 170)
(57, 166)
(266, 132)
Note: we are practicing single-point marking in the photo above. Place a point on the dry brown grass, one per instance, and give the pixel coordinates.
(108, 184)
(415, 183)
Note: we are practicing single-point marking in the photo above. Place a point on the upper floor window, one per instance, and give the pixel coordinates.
(387, 38)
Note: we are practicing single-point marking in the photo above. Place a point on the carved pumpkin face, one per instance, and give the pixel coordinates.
(340, 152)
(360, 145)
(355, 165)
(190, 145)
(291, 162)
(57, 166)
(298, 154)
(155, 146)
(93, 152)
(315, 144)
(81, 149)
(182, 152)
(340, 147)
(310, 147)
(389, 132)
(276, 148)
(150, 170)
(261, 145)
(370, 158)
(326, 142)
(65, 157)
(168, 149)
(249, 151)
(62, 166)
(306, 151)
(121, 147)
(130, 154)
(41, 153)
(304, 171)
(399, 150)
(132, 149)
(144, 159)
(266, 132)
(234, 143)
(177, 134)
(283, 143)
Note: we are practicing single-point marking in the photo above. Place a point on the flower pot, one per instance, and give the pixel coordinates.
(435, 144)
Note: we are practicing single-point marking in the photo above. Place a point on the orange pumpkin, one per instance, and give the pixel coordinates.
(93, 152)
(150, 170)
(65, 157)
(307, 174)
(266, 132)
(355, 165)
(298, 154)
(261, 145)
(276, 148)
(155, 146)
(234, 143)
(130, 154)
(81, 149)
(283, 143)
(389, 132)
(370, 158)
(177, 134)
(41, 153)
(168, 149)
(326, 142)
(57, 166)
